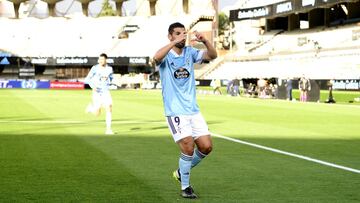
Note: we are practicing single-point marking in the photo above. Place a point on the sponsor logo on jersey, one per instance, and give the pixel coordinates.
(181, 73)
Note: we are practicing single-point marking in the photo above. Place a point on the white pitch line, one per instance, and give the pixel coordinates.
(287, 153)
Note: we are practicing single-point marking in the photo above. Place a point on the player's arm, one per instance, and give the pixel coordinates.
(161, 53)
(88, 80)
(111, 75)
(210, 53)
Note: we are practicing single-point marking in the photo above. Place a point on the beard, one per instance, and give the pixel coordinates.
(180, 45)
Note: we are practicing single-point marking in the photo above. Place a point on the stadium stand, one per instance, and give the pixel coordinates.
(311, 40)
(87, 33)
(59, 37)
(323, 51)
(76, 38)
(64, 37)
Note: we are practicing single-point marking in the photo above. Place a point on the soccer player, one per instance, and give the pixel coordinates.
(289, 87)
(99, 79)
(188, 127)
(304, 87)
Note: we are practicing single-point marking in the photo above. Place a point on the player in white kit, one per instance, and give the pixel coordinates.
(99, 79)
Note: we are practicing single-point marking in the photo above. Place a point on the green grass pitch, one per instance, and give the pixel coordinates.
(51, 151)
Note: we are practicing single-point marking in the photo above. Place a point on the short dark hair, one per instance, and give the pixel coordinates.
(175, 25)
(103, 55)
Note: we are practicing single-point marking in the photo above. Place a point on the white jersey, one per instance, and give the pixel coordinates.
(99, 78)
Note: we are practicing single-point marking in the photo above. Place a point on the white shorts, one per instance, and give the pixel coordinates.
(187, 125)
(101, 99)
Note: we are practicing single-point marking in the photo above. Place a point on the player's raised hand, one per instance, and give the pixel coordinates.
(199, 36)
(180, 38)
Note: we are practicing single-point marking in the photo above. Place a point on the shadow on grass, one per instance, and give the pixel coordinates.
(137, 168)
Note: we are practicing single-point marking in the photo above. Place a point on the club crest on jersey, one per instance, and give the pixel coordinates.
(181, 73)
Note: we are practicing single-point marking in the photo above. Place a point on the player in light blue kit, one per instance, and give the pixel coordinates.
(175, 62)
(99, 79)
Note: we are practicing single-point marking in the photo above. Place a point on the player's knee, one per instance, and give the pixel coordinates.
(187, 146)
(189, 149)
(209, 149)
(206, 149)
(109, 109)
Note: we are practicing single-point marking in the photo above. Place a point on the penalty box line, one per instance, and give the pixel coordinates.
(287, 153)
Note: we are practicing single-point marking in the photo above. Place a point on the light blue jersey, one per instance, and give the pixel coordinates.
(100, 78)
(178, 81)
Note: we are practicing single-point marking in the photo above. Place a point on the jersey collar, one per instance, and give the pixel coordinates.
(98, 65)
(177, 55)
